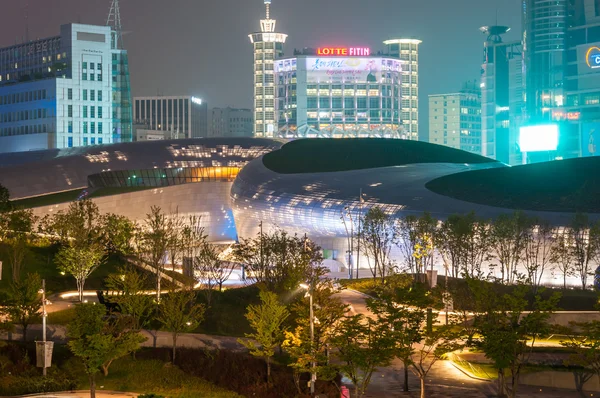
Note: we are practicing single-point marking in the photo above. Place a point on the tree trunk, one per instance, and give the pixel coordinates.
(423, 392)
(158, 285)
(405, 387)
(501, 385)
(174, 346)
(92, 378)
(24, 332)
(105, 368)
(268, 369)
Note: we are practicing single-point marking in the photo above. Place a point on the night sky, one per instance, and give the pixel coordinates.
(202, 48)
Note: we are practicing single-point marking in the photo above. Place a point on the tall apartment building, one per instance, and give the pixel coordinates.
(230, 122)
(179, 116)
(502, 96)
(268, 46)
(59, 92)
(408, 51)
(455, 119)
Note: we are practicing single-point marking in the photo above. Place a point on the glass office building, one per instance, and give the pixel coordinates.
(338, 96)
(60, 92)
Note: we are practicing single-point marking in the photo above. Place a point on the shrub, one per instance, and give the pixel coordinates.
(150, 396)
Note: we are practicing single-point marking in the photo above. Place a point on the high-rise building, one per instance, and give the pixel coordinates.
(180, 116)
(268, 46)
(338, 92)
(59, 92)
(408, 51)
(455, 119)
(230, 122)
(502, 96)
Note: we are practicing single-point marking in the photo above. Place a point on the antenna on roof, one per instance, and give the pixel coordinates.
(114, 21)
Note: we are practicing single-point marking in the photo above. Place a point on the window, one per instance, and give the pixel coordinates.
(70, 142)
(99, 77)
(99, 112)
(99, 128)
(100, 95)
(85, 95)
(92, 95)
(85, 127)
(70, 111)
(85, 108)
(99, 66)
(84, 76)
(70, 126)
(85, 65)
(93, 141)
(92, 76)
(92, 112)
(85, 140)
(93, 128)
(92, 65)
(99, 140)
(70, 94)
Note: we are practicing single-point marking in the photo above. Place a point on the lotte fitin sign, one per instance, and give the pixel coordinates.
(347, 51)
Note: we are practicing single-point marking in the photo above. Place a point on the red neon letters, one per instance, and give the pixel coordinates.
(347, 51)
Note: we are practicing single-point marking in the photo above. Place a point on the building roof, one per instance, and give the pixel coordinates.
(329, 155)
(559, 186)
(28, 174)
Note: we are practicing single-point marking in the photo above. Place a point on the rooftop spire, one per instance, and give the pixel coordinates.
(114, 21)
(268, 7)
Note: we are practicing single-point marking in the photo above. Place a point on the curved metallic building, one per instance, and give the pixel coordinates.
(325, 205)
(190, 177)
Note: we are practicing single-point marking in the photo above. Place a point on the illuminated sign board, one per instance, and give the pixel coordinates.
(345, 51)
(592, 57)
(538, 138)
(357, 70)
(196, 101)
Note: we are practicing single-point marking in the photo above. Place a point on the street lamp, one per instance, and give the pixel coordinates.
(350, 235)
(42, 291)
(313, 365)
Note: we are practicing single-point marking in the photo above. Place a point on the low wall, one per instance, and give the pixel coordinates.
(553, 379)
(209, 200)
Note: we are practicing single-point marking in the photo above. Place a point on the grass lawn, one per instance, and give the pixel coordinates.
(153, 376)
(62, 317)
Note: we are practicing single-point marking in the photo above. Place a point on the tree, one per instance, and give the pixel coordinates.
(328, 310)
(118, 234)
(278, 261)
(585, 237)
(5, 204)
(407, 232)
(24, 302)
(155, 239)
(362, 346)
(508, 240)
(178, 313)
(378, 235)
(508, 335)
(561, 254)
(266, 320)
(211, 270)
(132, 298)
(99, 340)
(17, 227)
(583, 339)
(79, 262)
(78, 226)
(539, 246)
(451, 242)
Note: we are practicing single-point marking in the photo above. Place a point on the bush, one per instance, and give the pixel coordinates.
(150, 396)
(240, 372)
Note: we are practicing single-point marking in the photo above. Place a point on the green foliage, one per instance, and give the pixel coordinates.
(16, 231)
(266, 320)
(362, 345)
(79, 261)
(583, 338)
(118, 234)
(132, 299)
(5, 204)
(178, 313)
(278, 260)
(378, 235)
(24, 302)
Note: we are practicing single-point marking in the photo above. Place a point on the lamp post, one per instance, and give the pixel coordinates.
(361, 200)
(350, 235)
(44, 316)
(313, 365)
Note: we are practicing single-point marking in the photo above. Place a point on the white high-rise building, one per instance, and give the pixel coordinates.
(58, 92)
(268, 46)
(408, 51)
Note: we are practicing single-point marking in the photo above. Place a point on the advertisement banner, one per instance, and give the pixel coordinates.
(590, 139)
(341, 69)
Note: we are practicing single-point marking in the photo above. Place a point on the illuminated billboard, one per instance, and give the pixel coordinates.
(590, 139)
(538, 138)
(592, 57)
(345, 51)
(348, 70)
